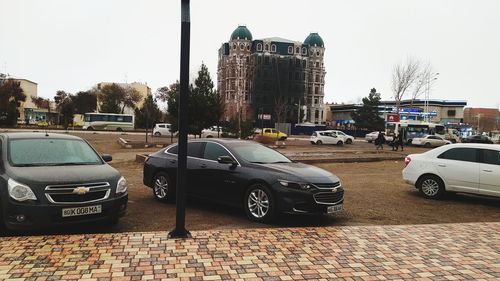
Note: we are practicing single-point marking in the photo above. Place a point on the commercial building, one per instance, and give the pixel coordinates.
(483, 119)
(447, 112)
(273, 76)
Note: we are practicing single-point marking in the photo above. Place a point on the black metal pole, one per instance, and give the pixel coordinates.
(180, 218)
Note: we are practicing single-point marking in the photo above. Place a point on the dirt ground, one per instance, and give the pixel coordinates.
(375, 194)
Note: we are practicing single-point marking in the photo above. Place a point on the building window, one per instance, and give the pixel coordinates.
(273, 48)
(297, 50)
(316, 90)
(317, 53)
(304, 51)
(266, 47)
(317, 78)
(452, 113)
(247, 59)
(266, 60)
(248, 47)
(259, 47)
(304, 63)
(258, 59)
(234, 46)
(290, 49)
(315, 100)
(297, 76)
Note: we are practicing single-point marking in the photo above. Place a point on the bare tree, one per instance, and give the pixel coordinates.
(423, 83)
(279, 109)
(404, 76)
(130, 98)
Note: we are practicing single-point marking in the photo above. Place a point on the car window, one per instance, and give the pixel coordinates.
(267, 131)
(162, 126)
(51, 152)
(491, 156)
(314, 134)
(274, 131)
(460, 154)
(195, 149)
(173, 149)
(214, 151)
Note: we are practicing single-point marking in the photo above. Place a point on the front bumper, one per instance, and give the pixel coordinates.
(295, 201)
(39, 216)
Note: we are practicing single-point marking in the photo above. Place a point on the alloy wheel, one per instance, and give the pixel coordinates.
(258, 203)
(161, 187)
(430, 187)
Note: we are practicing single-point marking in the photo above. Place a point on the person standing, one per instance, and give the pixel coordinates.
(400, 140)
(379, 141)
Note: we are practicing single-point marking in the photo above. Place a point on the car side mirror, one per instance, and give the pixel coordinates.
(226, 160)
(107, 157)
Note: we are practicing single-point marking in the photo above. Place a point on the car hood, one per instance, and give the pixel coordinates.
(304, 172)
(54, 175)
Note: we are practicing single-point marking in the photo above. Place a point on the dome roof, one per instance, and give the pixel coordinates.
(314, 39)
(241, 32)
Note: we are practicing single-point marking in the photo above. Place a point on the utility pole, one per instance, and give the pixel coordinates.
(478, 119)
(180, 215)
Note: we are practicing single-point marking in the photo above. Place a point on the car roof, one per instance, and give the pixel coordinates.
(38, 135)
(476, 145)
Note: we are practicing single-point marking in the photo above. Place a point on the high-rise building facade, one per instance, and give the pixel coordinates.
(275, 76)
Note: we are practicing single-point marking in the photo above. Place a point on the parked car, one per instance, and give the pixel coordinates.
(212, 132)
(273, 133)
(371, 137)
(477, 139)
(347, 139)
(56, 180)
(246, 174)
(430, 141)
(162, 129)
(326, 137)
(467, 168)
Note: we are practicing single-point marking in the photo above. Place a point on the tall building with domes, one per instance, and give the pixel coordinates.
(273, 76)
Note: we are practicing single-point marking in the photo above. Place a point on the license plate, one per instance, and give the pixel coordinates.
(334, 209)
(81, 211)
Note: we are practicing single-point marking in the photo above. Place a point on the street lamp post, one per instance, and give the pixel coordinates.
(180, 218)
(430, 78)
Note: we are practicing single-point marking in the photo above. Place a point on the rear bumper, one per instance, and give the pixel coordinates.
(39, 216)
(410, 178)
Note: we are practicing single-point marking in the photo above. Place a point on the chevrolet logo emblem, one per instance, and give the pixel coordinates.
(335, 189)
(81, 190)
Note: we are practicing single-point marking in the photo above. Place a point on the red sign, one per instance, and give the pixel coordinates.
(392, 118)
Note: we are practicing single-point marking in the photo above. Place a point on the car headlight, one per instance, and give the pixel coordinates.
(297, 185)
(122, 186)
(20, 192)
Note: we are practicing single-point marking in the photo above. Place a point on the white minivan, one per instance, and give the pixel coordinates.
(162, 129)
(466, 168)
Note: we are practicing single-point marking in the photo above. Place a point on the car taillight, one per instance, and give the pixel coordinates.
(407, 160)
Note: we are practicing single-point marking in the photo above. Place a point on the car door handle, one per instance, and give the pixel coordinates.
(441, 165)
(489, 171)
(173, 161)
(203, 165)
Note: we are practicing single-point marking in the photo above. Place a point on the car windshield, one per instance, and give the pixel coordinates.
(51, 152)
(256, 153)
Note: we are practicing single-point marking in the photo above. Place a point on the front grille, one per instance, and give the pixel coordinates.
(329, 197)
(327, 185)
(64, 194)
(75, 198)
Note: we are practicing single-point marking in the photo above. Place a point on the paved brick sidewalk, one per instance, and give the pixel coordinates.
(425, 252)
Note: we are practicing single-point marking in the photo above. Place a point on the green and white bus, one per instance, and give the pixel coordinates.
(108, 121)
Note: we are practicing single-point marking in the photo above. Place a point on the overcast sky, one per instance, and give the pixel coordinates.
(72, 45)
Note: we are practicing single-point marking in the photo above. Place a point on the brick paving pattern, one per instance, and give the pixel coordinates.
(420, 252)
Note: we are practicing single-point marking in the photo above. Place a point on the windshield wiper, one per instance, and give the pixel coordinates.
(258, 162)
(71, 164)
(28, 165)
(277, 162)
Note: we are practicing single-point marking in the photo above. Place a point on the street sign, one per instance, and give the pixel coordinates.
(264, 116)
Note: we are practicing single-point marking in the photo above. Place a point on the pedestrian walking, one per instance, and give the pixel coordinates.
(400, 140)
(379, 141)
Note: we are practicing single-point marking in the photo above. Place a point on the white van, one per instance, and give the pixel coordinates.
(162, 129)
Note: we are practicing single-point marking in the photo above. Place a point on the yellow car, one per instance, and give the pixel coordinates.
(273, 133)
(42, 123)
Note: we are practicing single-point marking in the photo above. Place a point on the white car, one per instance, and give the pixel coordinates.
(326, 137)
(467, 168)
(430, 141)
(347, 139)
(162, 129)
(212, 132)
(371, 137)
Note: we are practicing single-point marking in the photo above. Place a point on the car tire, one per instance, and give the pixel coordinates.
(90, 128)
(163, 190)
(427, 144)
(431, 187)
(348, 141)
(209, 136)
(340, 143)
(282, 138)
(157, 134)
(119, 129)
(453, 141)
(370, 141)
(312, 143)
(319, 142)
(259, 203)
